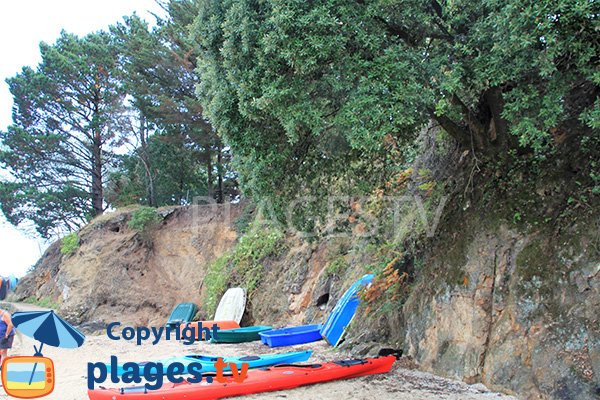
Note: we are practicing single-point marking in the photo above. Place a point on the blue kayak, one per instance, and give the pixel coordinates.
(290, 336)
(208, 362)
(335, 326)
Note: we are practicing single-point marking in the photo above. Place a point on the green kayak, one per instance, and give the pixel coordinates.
(239, 335)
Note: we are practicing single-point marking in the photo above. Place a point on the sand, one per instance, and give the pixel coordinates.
(400, 383)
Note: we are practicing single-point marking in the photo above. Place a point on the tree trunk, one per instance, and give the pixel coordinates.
(144, 157)
(96, 139)
(453, 129)
(220, 198)
(97, 195)
(209, 172)
(498, 131)
(150, 189)
(484, 131)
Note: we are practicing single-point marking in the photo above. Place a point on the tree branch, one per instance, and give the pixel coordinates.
(459, 134)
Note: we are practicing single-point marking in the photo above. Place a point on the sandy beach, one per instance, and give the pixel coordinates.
(400, 383)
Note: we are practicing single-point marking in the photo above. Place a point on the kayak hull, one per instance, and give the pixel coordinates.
(240, 335)
(208, 362)
(232, 305)
(275, 378)
(334, 328)
(198, 325)
(182, 313)
(291, 336)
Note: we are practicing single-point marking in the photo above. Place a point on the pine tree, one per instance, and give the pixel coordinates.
(67, 118)
(158, 67)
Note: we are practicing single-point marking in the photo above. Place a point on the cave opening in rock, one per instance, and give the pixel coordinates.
(323, 299)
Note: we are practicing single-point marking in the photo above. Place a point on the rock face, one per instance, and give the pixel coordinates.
(119, 274)
(515, 306)
(520, 313)
(296, 287)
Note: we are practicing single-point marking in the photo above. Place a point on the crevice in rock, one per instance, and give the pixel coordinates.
(490, 326)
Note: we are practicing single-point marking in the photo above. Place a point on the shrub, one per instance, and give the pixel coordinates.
(337, 266)
(243, 222)
(44, 302)
(388, 290)
(70, 243)
(216, 281)
(144, 218)
(243, 265)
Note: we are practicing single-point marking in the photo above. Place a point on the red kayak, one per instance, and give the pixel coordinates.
(279, 377)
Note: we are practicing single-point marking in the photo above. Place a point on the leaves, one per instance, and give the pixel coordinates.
(157, 68)
(67, 116)
(387, 286)
(314, 91)
(311, 98)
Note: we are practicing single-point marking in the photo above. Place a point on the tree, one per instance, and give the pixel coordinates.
(66, 120)
(158, 69)
(138, 185)
(283, 80)
(176, 177)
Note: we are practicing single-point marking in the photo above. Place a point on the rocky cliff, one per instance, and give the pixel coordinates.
(505, 290)
(509, 289)
(518, 312)
(120, 274)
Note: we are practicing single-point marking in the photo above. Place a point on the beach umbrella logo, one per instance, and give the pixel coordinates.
(33, 377)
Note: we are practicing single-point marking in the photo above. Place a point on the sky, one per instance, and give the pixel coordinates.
(23, 25)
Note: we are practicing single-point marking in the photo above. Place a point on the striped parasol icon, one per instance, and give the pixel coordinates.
(47, 328)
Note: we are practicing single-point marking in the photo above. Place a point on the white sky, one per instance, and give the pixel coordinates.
(23, 25)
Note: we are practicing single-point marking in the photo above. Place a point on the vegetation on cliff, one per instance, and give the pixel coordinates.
(309, 98)
(450, 147)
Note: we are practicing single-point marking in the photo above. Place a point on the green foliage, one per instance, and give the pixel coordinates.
(274, 120)
(67, 118)
(177, 174)
(244, 221)
(178, 154)
(215, 282)
(69, 243)
(427, 186)
(157, 69)
(243, 266)
(591, 116)
(43, 302)
(143, 219)
(253, 248)
(313, 97)
(517, 217)
(337, 266)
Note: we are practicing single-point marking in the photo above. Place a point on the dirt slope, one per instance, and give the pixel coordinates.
(119, 274)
